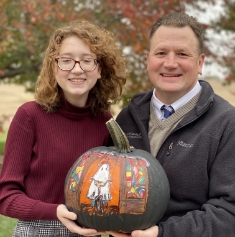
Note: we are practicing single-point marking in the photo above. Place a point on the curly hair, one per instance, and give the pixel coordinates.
(107, 90)
(179, 19)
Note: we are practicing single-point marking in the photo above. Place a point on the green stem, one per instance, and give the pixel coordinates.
(119, 138)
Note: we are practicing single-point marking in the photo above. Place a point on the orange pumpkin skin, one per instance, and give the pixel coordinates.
(110, 190)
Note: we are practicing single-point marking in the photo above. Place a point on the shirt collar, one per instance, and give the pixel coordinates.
(177, 104)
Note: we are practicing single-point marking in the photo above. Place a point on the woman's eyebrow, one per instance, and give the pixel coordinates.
(81, 55)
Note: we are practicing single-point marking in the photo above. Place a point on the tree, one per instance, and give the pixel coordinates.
(226, 25)
(27, 26)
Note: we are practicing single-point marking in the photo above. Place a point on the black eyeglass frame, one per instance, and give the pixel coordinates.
(77, 61)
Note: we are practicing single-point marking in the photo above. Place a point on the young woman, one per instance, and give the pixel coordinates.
(82, 75)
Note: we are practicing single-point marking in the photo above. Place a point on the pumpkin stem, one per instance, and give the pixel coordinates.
(119, 138)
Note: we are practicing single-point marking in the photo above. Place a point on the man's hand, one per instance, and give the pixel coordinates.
(151, 232)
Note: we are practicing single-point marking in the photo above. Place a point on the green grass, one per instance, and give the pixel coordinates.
(3, 141)
(7, 226)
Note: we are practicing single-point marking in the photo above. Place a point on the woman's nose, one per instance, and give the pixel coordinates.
(77, 68)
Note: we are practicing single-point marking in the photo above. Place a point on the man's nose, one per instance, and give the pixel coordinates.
(171, 61)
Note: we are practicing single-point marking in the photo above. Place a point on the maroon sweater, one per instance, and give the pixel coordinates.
(40, 149)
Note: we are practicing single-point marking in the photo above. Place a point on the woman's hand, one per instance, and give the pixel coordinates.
(151, 232)
(67, 218)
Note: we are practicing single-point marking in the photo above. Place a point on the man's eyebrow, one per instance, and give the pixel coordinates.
(159, 48)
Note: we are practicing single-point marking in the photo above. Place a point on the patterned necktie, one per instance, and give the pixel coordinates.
(168, 110)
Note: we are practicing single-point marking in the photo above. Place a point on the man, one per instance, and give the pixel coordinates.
(189, 129)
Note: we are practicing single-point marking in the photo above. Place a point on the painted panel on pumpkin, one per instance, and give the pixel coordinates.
(77, 172)
(100, 187)
(134, 196)
(111, 184)
(136, 173)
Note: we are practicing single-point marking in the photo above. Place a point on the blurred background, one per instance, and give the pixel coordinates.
(26, 26)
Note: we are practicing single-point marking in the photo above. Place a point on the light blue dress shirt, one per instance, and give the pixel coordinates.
(177, 104)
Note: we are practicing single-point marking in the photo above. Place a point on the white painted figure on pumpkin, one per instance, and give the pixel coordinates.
(99, 191)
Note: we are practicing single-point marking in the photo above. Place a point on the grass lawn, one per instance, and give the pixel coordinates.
(7, 226)
(3, 141)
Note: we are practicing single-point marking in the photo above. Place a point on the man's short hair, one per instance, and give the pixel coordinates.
(179, 19)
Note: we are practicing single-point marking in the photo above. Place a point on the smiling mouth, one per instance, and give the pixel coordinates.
(170, 75)
(77, 80)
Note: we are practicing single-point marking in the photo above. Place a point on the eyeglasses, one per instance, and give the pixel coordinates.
(86, 64)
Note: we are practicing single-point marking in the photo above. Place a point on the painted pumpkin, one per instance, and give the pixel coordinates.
(117, 188)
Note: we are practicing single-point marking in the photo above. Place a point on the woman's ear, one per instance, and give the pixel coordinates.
(98, 72)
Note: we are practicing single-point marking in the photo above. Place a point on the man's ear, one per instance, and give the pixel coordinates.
(201, 62)
(147, 57)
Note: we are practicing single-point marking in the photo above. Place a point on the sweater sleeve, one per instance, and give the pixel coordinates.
(216, 218)
(14, 202)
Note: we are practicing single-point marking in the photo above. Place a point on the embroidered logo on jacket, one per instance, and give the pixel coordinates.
(133, 135)
(181, 143)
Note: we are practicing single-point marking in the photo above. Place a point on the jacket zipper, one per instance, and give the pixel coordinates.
(169, 149)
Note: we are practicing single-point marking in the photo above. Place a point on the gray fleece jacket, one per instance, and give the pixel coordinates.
(199, 160)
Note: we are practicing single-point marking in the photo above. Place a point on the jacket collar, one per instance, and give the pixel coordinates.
(141, 103)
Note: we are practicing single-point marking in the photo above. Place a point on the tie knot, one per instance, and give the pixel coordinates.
(168, 110)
